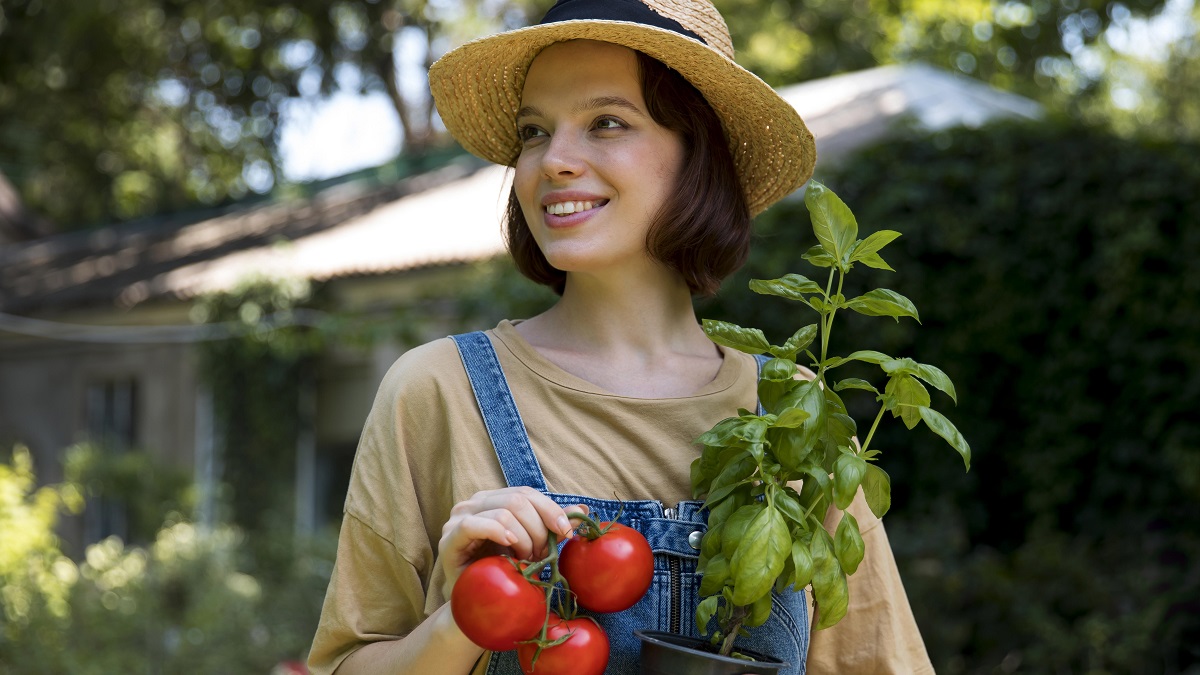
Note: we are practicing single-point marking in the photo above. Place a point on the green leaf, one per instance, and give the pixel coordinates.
(778, 370)
(735, 528)
(875, 261)
(788, 503)
(758, 559)
(792, 287)
(848, 543)
(722, 433)
(760, 611)
(705, 611)
(942, 427)
(716, 574)
(819, 257)
(883, 302)
(909, 394)
(787, 444)
(791, 418)
(832, 220)
(829, 582)
(933, 375)
(877, 488)
(799, 340)
(749, 340)
(873, 244)
(848, 473)
(802, 563)
(855, 383)
(869, 356)
(902, 366)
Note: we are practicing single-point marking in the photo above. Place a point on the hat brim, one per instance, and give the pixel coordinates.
(477, 89)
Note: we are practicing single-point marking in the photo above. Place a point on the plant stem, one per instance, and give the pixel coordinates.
(871, 433)
(739, 615)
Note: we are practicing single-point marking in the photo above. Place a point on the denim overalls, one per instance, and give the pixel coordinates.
(670, 604)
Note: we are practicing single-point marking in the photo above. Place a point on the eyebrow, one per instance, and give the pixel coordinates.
(586, 105)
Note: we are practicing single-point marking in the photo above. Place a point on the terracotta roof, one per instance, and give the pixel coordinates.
(446, 216)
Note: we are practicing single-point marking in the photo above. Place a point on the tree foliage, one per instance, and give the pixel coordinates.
(143, 106)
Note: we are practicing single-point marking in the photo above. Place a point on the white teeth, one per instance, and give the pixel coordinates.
(567, 208)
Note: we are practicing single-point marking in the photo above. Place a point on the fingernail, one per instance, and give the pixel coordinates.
(564, 525)
(510, 537)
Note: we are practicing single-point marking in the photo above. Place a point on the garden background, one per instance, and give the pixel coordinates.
(1053, 264)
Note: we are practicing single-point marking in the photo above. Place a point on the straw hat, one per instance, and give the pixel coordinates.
(477, 87)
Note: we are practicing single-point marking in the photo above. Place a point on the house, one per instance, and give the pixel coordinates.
(95, 329)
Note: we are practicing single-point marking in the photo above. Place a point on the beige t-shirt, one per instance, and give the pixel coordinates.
(424, 448)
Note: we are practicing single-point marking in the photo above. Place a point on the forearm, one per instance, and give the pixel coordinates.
(435, 646)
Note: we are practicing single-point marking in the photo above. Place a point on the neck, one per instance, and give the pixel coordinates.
(645, 314)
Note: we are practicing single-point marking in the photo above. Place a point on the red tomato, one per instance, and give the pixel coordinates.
(495, 606)
(611, 572)
(584, 653)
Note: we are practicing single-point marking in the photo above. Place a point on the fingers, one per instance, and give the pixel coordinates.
(519, 518)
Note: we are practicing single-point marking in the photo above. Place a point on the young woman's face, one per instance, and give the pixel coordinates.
(594, 167)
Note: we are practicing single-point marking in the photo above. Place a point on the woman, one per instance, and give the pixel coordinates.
(640, 152)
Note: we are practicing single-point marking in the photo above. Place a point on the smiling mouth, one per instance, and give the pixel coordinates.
(567, 208)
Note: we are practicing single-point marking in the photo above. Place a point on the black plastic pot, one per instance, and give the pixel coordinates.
(671, 654)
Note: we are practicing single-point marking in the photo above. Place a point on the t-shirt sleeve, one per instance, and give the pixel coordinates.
(385, 554)
(879, 633)
(373, 595)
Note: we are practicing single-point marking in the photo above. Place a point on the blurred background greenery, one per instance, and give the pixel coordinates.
(1052, 262)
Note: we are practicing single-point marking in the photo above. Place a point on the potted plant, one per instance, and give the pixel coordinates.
(763, 534)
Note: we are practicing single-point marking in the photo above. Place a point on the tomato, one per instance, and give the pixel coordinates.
(495, 606)
(584, 653)
(611, 572)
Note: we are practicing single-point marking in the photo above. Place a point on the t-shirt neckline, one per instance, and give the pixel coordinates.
(531, 358)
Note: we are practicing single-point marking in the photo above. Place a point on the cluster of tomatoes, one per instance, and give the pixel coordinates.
(502, 604)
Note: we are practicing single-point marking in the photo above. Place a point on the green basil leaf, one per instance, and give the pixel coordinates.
(760, 611)
(716, 574)
(883, 302)
(848, 543)
(788, 446)
(848, 473)
(790, 418)
(722, 433)
(869, 356)
(855, 383)
(799, 340)
(705, 611)
(934, 375)
(802, 564)
(942, 427)
(735, 527)
(902, 366)
(875, 261)
(792, 286)
(877, 488)
(829, 582)
(749, 340)
(710, 544)
(787, 500)
(759, 556)
(873, 244)
(778, 370)
(909, 394)
(832, 221)
(819, 257)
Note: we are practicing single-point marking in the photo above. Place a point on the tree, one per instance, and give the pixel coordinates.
(144, 106)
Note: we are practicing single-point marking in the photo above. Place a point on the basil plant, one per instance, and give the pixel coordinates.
(763, 533)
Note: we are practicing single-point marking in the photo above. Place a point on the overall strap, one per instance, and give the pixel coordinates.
(762, 359)
(500, 415)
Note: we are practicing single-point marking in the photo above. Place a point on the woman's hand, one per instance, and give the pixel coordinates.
(514, 520)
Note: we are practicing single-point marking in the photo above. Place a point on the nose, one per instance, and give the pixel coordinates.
(564, 156)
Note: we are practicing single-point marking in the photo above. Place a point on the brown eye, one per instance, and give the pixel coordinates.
(529, 132)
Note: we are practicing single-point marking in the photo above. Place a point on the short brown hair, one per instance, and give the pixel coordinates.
(703, 229)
